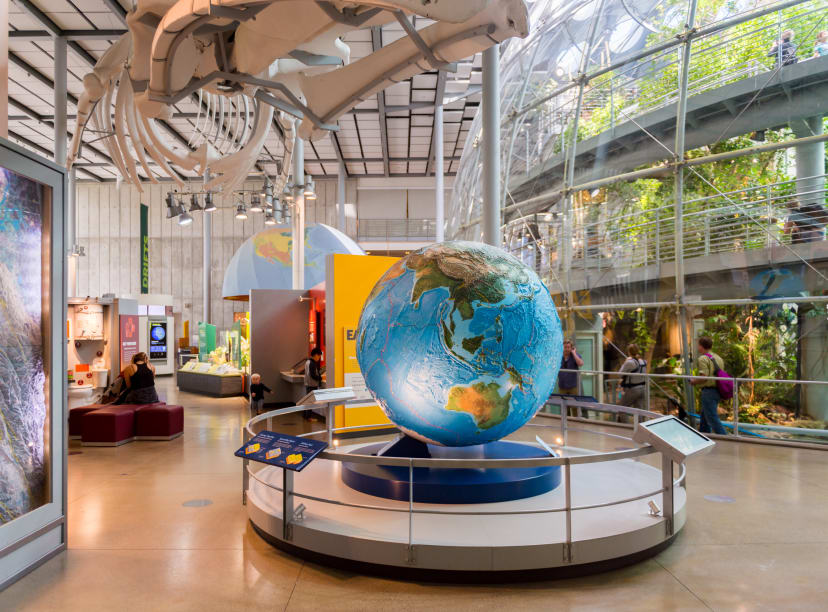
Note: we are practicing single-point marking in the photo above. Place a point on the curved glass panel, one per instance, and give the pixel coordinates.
(664, 166)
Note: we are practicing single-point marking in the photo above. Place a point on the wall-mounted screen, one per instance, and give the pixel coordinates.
(157, 310)
(24, 295)
(157, 339)
(142, 310)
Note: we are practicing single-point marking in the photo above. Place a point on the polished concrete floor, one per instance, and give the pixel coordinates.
(160, 526)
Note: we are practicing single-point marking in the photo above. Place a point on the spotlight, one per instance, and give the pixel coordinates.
(309, 193)
(241, 211)
(287, 195)
(209, 205)
(269, 218)
(185, 218)
(194, 205)
(173, 208)
(268, 194)
(255, 203)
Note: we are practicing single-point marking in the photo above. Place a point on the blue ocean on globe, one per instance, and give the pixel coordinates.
(459, 343)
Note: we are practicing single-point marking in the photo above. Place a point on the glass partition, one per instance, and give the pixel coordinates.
(664, 171)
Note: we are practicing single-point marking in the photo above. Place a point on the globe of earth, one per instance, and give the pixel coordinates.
(459, 343)
(265, 261)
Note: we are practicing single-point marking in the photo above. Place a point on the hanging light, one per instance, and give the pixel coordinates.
(309, 193)
(241, 211)
(173, 208)
(287, 195)
(194, 205)
(269, 218)
(185, 218)
(209, 205)
(255, 203)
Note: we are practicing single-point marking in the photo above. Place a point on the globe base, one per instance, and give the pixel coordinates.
(452, 486)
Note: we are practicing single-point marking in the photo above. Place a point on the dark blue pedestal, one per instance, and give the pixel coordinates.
(448, 486)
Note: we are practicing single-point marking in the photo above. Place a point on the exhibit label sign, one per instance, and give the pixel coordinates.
(352, 373)
(143, 245)
(281, 450)
(128, 336)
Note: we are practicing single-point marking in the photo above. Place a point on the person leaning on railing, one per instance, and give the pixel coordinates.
(784, 50)
(821, 44)
(806, 222)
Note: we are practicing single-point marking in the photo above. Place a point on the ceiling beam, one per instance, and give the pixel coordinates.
(67, 34)
(46, 152)
(117, 10)
(376, 45)
(50, 25)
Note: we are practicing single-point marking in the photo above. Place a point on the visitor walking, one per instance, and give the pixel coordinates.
(257, 391)
(708, 364)
(806, 222)
(568, 381)
(821, 44)
(784, 50)
(634, 387)
(139, 377)
(313, 376)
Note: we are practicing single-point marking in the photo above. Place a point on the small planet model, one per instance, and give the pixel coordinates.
(459, 343)
(265, 260)
(158, 333)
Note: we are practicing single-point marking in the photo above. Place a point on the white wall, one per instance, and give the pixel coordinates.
(109, 225)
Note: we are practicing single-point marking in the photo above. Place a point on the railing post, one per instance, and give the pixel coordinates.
(658, 235)
(330, 423)
(612, 105)
(735, 408)
(564, 414)
(706, 233)
(567, 549)
(769, 212)
(646, 394)
(245, 463)
(410, 552)
(287, 504)
(667, 496)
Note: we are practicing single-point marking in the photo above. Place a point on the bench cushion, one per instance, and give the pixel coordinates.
(109, 426)
(159, 422)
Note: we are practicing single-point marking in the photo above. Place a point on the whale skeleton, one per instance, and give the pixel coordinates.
(252, 64)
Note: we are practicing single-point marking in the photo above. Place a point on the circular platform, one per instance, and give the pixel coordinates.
(447, 486)
(470, 542)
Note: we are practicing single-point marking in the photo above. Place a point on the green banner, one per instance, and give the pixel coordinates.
(206, 340)
(143, 248)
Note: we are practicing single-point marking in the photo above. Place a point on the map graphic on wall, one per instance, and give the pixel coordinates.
(23, 410)
(264, 260)
(459, 343)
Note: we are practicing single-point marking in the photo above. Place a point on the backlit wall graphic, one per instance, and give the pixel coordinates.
(23, 410)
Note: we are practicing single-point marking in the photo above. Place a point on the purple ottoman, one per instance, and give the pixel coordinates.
(159, 422)
(76, 418)
(110, 426)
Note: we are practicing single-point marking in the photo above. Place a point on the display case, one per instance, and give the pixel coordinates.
(33, 361)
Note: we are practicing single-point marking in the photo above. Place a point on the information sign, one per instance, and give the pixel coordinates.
(281, 450)
(672, 437)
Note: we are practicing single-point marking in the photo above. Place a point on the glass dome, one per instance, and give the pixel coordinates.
(663, 170)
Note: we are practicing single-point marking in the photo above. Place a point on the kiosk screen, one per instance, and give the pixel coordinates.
(158, 339)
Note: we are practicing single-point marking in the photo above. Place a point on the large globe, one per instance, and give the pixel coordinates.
(459, 343)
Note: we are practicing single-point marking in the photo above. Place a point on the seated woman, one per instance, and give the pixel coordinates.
(139, 378)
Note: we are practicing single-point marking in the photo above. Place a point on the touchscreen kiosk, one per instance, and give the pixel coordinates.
(672, 437)
(157, 340)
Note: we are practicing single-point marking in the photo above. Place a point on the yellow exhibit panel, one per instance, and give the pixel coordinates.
(350, 279)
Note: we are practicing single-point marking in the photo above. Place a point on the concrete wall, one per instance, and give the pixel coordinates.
(108, 228)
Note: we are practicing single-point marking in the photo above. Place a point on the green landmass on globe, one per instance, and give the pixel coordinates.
(459, 343)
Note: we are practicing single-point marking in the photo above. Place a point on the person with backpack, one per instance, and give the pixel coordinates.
(712, 391)
(634, 394)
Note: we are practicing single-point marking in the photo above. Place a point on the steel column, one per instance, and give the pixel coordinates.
(678, 205)
(207, 264)
(340, 198)
(298, 217)
(439, 185)
(491, 146)
(60, 101)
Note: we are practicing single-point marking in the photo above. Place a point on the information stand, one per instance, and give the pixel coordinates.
(281, 450)
(673, 438)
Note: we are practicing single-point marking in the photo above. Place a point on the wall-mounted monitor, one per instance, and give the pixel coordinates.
(156, 310)
(33, 361)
